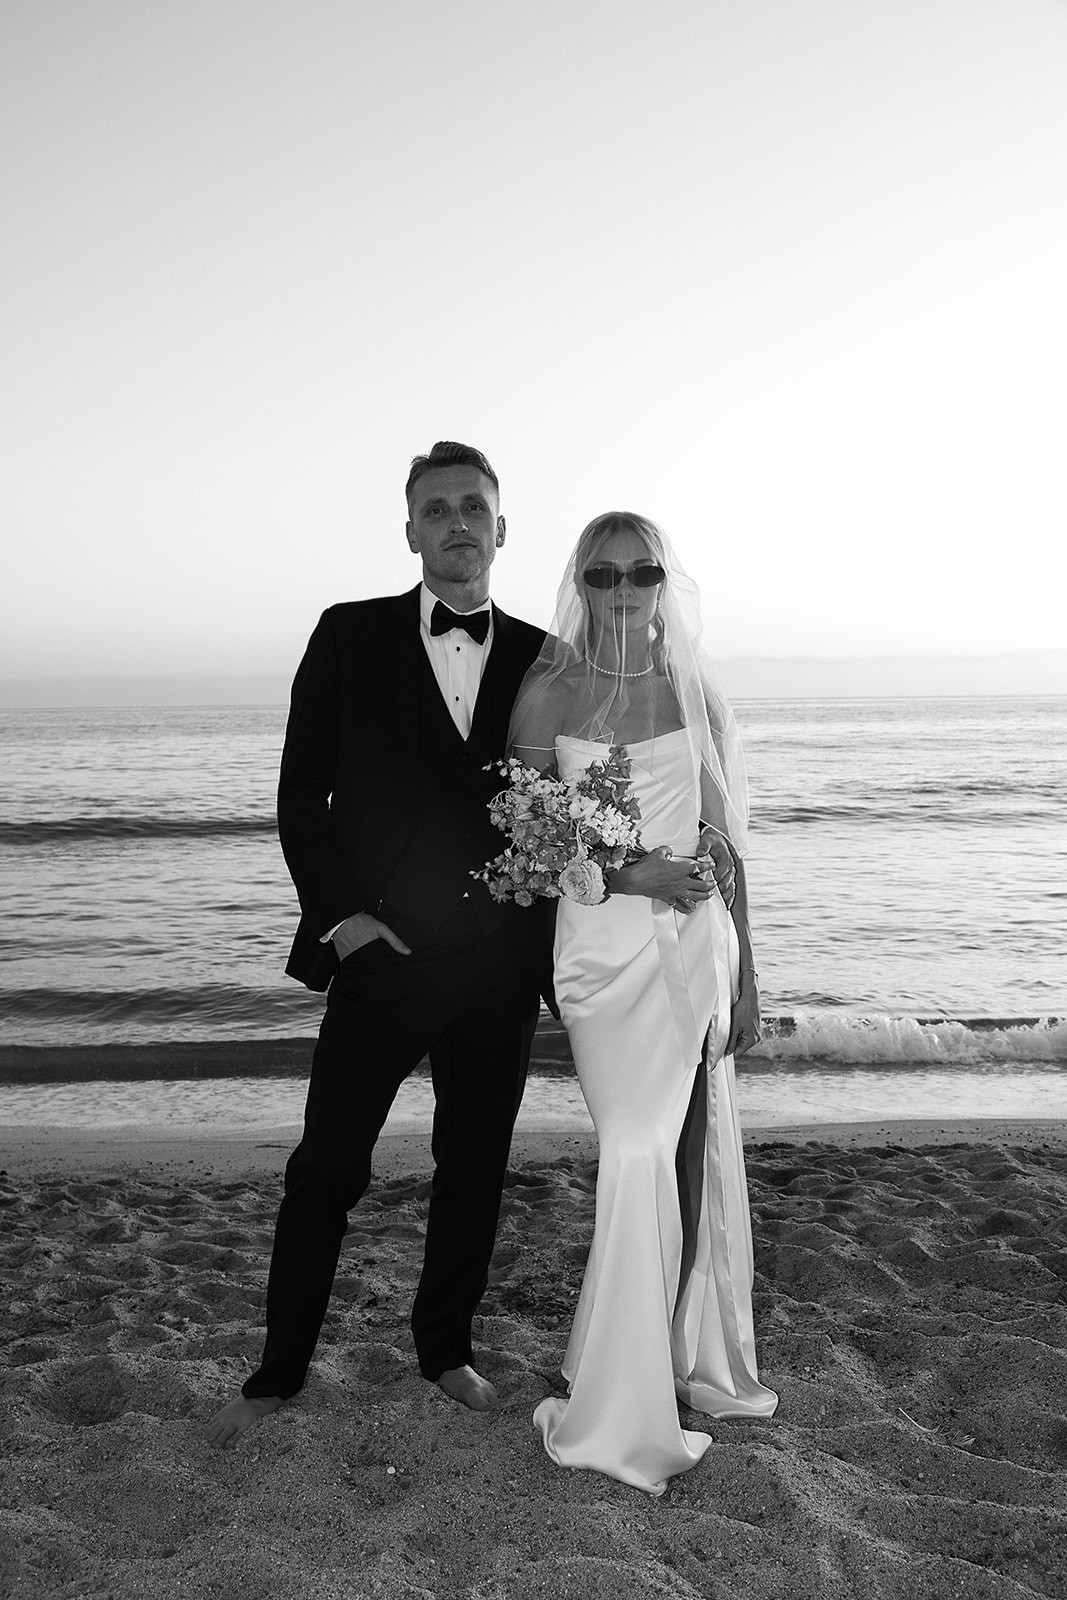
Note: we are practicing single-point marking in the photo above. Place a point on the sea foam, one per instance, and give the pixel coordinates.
(878, 1041)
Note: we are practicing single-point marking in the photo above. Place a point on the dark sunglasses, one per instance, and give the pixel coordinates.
(610, 576)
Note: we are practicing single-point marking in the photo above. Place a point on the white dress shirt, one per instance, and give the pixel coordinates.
(458, 661)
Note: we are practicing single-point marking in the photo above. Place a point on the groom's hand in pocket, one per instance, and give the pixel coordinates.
(363, 929)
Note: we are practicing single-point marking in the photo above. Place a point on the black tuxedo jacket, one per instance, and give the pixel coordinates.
(348, 786)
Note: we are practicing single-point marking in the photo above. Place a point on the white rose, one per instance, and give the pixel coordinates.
(583, 882)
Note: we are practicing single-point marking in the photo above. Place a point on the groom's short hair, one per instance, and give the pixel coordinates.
(447, 453)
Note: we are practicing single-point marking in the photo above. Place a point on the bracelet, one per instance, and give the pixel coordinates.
(744, 972)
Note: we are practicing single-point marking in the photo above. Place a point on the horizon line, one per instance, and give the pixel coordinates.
(1040, 674)
(897, 659)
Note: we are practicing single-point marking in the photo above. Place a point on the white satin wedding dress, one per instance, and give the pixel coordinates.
(665, 1311)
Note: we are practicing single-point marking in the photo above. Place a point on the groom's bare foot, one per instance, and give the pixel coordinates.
(469, 1388)
(235, 1419)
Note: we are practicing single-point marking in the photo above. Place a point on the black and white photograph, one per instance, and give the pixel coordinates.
(533, 816)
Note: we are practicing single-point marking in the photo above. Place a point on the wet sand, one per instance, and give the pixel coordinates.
(911, 1311)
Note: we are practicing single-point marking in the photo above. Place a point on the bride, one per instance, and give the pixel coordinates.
(657, 989)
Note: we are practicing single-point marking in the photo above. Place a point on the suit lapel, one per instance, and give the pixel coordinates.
(502, 685)
(399, 669)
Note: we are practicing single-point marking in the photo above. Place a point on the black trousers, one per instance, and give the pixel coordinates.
(468, 1000)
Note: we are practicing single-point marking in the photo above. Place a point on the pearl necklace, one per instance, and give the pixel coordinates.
(613, 673)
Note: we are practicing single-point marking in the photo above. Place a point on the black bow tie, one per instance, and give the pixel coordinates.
(443, 621)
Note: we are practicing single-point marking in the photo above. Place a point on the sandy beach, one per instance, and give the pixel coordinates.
(910, 1312)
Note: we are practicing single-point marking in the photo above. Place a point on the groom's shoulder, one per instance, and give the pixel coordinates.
(524, 634)
(379, 609)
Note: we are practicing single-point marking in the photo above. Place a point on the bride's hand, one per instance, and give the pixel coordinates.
(745, 1028)
(660, 875)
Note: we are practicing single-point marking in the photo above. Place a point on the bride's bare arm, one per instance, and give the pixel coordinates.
(745, 1015)
(659, 875)
(537, 721)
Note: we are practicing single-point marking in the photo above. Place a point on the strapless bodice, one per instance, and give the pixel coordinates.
(664, 775)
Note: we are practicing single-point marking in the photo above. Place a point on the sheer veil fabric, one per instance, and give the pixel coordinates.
(600, 703)
(645, 992)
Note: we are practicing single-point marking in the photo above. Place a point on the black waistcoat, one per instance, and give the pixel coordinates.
(453, 834)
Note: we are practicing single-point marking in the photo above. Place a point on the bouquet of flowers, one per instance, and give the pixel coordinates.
(564, 833)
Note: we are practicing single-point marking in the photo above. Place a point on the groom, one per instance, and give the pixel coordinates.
(397, 707)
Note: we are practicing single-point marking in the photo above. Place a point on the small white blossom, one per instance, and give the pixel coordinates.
(583, 808)
(562, 832)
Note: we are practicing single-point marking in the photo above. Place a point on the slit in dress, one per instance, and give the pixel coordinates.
(689, 1171)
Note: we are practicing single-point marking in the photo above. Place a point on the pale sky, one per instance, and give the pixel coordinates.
(785, 275)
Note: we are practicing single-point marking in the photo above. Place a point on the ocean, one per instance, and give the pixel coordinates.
(907, 872)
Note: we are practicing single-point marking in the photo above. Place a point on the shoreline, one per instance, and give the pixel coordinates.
(37, 1150)
(226, 1058)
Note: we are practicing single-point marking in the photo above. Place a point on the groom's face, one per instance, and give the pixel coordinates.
(455, 524)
